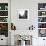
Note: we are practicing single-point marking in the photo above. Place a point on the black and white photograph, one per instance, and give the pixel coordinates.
(23, 13)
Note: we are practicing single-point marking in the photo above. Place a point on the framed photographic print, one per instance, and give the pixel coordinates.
(23, 13)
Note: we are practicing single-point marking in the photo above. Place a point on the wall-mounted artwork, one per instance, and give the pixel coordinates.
(23, 13)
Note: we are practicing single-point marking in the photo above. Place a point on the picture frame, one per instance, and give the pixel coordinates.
(23, 14)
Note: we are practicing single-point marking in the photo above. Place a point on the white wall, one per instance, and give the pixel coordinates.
(32, 5)
(24, 4)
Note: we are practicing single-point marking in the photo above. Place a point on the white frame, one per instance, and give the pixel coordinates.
(22, 10)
